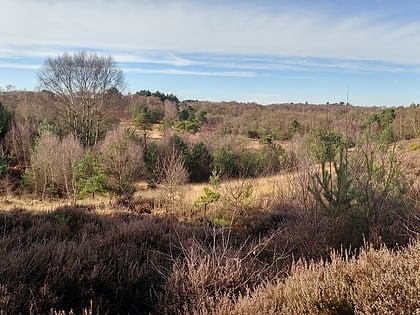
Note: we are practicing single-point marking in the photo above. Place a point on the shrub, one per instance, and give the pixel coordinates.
(199, 163)
(226, 163)
(122, 160)
(90, 177)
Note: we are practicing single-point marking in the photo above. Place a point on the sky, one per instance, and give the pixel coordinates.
(264, 51)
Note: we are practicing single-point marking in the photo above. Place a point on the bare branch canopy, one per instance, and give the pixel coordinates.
(79, 82)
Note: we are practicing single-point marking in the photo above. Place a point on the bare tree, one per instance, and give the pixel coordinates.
(79, 83)
(52, 165)
(43, 164)
(70, 153)
(173, 175)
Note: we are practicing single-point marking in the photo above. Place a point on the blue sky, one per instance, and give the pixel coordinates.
(253, 51)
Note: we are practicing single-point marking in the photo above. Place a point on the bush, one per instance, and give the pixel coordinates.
(199, 163)
(122, 160)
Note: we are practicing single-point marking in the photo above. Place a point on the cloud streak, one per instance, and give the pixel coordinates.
(241, 74)
(203, 27)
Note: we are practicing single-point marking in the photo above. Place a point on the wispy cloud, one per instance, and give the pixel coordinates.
(19, 66)
(192, 72)
(201, 26)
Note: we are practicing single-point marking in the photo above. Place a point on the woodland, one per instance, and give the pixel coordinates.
(141, 203)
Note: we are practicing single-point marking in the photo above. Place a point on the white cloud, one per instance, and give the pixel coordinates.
(242, 74)
(19, 66)
(200, 27)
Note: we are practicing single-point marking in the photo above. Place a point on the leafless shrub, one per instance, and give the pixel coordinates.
(206, 273)
(173, 174)
(18, 142)
(70, 151)
(43, 167)
(52, 162)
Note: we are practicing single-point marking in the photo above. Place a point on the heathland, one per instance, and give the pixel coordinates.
(141, 203)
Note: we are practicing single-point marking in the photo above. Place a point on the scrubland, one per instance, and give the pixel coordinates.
(200, 208)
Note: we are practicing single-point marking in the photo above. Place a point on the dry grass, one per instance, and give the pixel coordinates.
(100, 261)
(410, 151)
(38, 205)
(376, 282)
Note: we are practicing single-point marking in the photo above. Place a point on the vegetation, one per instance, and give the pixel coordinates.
(189, 207)
(78, 83)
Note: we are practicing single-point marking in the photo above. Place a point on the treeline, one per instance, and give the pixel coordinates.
(282, 121)
(42, 152)
(83, 136)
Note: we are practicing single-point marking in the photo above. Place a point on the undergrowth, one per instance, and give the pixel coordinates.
(77, 260)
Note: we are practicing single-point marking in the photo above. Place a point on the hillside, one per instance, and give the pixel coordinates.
(170, 207)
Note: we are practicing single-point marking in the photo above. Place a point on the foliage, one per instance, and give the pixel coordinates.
(250, 165)
(122, 160)
(6, 117)
(191, 126)
(294, 126)
(90, 177)
(143, 122)
(382, 189)
(414, 147)
(380, 126)
(199, 163)
(4, 166)
(334, 196)
(177, 144)
(226, 162)
(253, 134)
(190, 120)
(357, 191)
(162, 96)
(210, 196)
(151, 161)
(324, 145)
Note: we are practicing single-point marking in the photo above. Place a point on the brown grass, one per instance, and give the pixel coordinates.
(376, 282)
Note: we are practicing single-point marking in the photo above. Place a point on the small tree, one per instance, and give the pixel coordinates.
(89, 175)
(143, 122)
(226, 163)
(122, 160)
(333, 192)
(151, 161)
(381, 186)
(379, 126)
(5, 120)
(199, 163)
(43, 171)
(173, 174)
(332, 185)
(70, 153)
